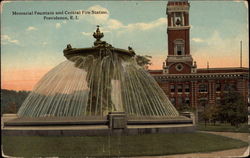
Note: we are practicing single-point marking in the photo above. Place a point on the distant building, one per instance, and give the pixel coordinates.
(181, 80)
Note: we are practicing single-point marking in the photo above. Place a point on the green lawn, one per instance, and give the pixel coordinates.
(151, 144)
(243, 128)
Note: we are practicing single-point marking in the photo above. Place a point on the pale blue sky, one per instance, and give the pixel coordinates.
(30, 41)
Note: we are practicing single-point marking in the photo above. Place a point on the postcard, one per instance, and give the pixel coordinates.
(124, 78)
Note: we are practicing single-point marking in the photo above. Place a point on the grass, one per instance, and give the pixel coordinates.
(151, 144)
(243, 128)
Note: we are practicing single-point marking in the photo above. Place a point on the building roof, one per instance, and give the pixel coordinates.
(155, 71)
(210, 70)
(178, 2)
(223, 70)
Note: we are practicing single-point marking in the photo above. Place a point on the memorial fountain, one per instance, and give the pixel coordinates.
(99, 90)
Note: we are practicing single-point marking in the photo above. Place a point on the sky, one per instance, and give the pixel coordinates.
(31, 46)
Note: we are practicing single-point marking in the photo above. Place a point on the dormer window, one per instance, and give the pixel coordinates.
(179, 47)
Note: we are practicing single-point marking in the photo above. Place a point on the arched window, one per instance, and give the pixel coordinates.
(178, 19)
(179, 47)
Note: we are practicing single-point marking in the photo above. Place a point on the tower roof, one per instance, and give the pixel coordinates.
(177, 2)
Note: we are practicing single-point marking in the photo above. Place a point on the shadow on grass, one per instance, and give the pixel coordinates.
(151, 144)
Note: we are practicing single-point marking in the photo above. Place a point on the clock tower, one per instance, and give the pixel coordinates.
(179, 60)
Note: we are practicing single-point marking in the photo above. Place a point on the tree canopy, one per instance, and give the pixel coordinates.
(233, 109)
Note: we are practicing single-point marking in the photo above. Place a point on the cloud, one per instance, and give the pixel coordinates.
(31, 28)
(100, 17)
(5, 39)
(112, 25)
(146, 26)
(58, 25)
(220, 51)
(197, 40)
(115, 24)
(140, 26)
(87, 33)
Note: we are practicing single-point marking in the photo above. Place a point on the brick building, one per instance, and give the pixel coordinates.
(181, 80)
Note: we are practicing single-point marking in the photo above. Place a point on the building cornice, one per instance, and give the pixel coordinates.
(178, 27)
(177, 8)
(200, 76)
(226, 68)
(179, 58)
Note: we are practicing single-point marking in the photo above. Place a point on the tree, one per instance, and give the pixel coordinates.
(12, 100)
(233, 109)
(213, 113)
(11, 108)
(210, 113)
(206, 116)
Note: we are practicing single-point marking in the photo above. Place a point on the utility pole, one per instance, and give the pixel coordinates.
(240, 53)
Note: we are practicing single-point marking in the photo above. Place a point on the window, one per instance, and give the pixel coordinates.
(172, 100)
(178, 19)
(218, 100)
(203, 102)
(187, 89)
(230, 87)
(233, 87)
(179, 100)
(179, 47)
(218, 87)
(179, 88)
(172, 88)
(203, 88)
(187, 100)
(179, 67)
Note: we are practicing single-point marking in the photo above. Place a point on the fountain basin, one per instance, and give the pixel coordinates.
(112, 124)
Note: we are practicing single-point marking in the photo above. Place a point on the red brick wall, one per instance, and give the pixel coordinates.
(169, 19)
(186, 69)
(186, 19)
(178, 34)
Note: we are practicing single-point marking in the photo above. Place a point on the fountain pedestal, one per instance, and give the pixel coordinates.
(117, 120)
